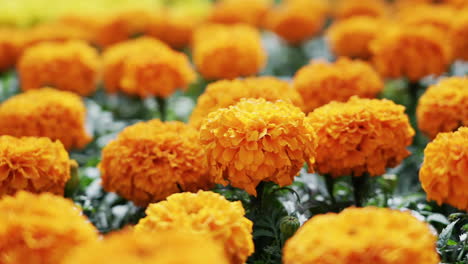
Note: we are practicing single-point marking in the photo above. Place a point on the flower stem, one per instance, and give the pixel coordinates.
(359, 186)
(258, 201)
(330, 182)
(162, 104)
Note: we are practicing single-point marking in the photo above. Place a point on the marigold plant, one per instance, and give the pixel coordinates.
(322, 82)
(46, 112)
(250, 12)
(438, 16)
(152, 160)
(256, 140)
(362, 235)
(222, 94)
(41, 229)
(444, 106)
(445, 167)
(345, 9)
(228, 51)
(459, 35)
(71, 66)
(360, 136)
(207, 214)
(11, 41)
(54, 32)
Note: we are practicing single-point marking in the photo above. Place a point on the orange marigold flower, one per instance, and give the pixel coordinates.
(222, 94)
(250, 12)
(297, 20)
(459, 35)
(438, 16)
(363, 235)
(152, 160)
(457, 3)
(41, 229)
(412, 52)
(10, 47)
(167, 247)
(228, 51)
(207, 214)
(360, 136)
(444, 106)
(445, 167)
(345, 9)
(321, 82)
(33, 164)
(54, 32)
(70, 66)
(46, 112)
(256, 140)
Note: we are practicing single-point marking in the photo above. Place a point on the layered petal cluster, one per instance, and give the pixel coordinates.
(41, 229)
(437, 16)
(322, 82)
(256, 140)
(11, 41)
(206, 214)
(33, 164)
(222, 94)
(152, 160)
(444, 106)
(360, 136)
(363, 235)
(459, 35)
(250, 12)
(71, 66)
(46, 112)
(345, 9)
(445, 167)
(228, 51)
(412, 52)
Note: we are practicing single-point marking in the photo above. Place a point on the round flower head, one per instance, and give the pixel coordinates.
(444, 106)
(168, 247)
(72, 66)
(54, 32)
(360, 136)
(438, 16)
(352, 37)
(206, 214)
(256, 140)
(362, 235)
(443, 174)
(46, 112)
(321, 82)
(459, 35)
(412, 52)
(228, 51)
(297, 20)
(345, 9)
(10, 47)
(33, 164)
(41, 229)
(222, 94)
(152, 160)
(250, 12)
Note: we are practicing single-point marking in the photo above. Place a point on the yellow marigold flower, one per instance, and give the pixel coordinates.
(71, 66)
(228, 51)
(41, 229)
(352, 37)
(11, 41)
(33, 164)
(152, 160)
(256, 140)
(46, 112)
(207, 214)
(321, 82)
(360, 136)
(362, 235)
(412, 52)
(250, 12)
(443, 172)
(168, 247)
(438, 16)
(444, 106)
(459, 35)
(222, 94)
(297, 20)
(345, 9)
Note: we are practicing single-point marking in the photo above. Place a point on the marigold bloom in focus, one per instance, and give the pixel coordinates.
(297, 20)
(71, 66)
(152, 160)
(321, 82)
(250, 12)
(443, 174)
(345, 9)
(360, 136)
(459, 35)
(46, 112)
(11, 41)
(33, 164)
(444, 106)
(362, 235)
(228, 51)
(41, 229)
(206, 214)
(167, 247)
(256, 140)
(222, 94)
(412, 52)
